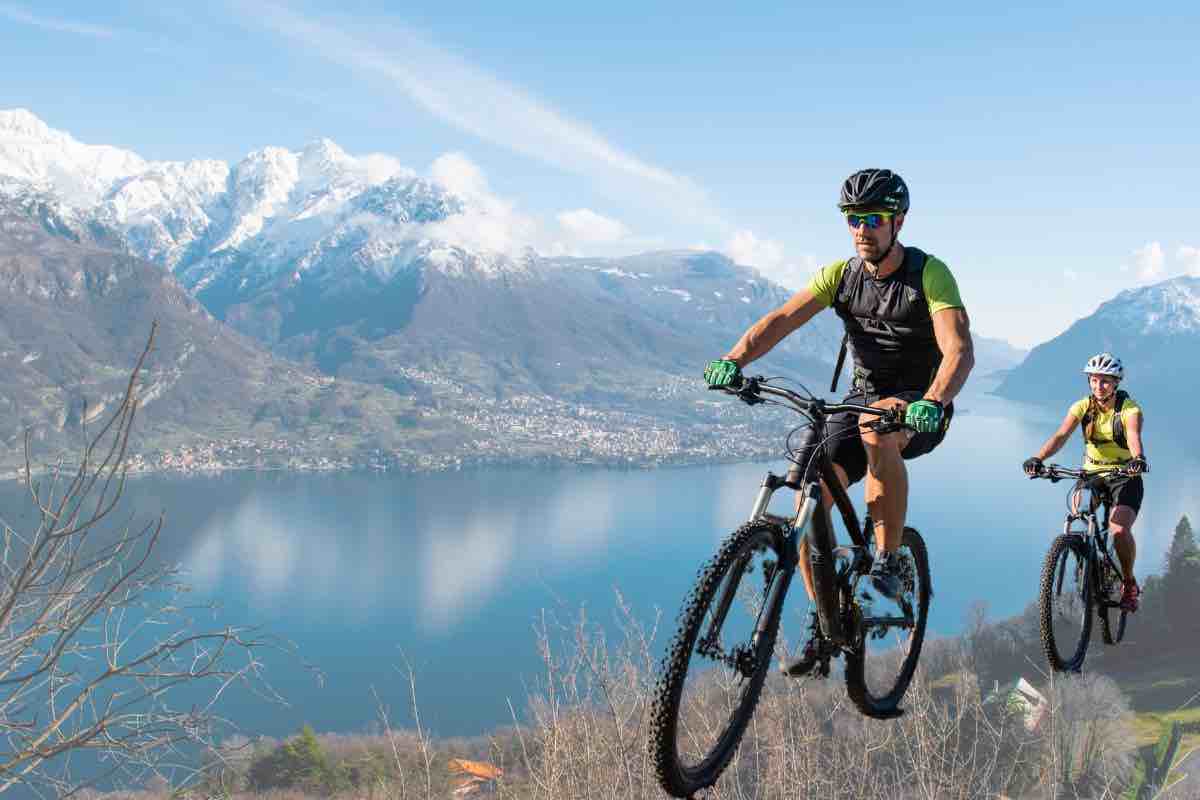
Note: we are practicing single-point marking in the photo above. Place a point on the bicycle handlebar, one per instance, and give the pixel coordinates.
(1057, 472)
(751, 389)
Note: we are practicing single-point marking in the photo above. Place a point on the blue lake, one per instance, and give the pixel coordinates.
(453, 571)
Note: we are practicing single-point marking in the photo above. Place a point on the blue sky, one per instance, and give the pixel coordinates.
(1051, 153)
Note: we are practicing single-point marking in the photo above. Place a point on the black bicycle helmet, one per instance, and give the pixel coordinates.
(874, 189)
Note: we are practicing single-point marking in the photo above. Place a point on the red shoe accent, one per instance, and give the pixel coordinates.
(1129, 595)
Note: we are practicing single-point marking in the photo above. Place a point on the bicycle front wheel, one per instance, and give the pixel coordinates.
(1065, 603)
(888, 640)
(713, 672)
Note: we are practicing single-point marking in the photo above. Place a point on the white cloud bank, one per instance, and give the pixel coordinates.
(770, 258)
(585, 225)
(1150, 263)
(1189, 257)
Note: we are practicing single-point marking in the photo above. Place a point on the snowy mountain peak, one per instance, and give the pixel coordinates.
(1172, 306)
(20, 122)
(324, 154)
(80, 174)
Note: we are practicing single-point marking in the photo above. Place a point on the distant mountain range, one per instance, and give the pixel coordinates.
(290, 268)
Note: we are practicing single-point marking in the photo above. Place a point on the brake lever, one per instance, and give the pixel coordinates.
(891, 422)
(748, 392)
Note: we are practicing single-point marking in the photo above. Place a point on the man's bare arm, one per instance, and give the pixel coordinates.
(772, 328)
(952, 329)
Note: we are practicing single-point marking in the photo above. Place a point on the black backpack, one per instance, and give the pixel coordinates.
(1118, 426)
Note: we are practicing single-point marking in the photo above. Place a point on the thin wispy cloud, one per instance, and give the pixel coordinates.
(24, 16)
(479, 103)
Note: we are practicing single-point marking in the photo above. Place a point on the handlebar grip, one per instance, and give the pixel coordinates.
(888, 422)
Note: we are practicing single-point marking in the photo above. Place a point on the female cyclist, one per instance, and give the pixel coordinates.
(1112, 432)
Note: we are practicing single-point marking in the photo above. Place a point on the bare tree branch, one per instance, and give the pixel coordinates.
(94, 643)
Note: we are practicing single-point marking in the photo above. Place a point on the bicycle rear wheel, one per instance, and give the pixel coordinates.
(1065, 603)
(1112, 633)
(713, 672)
(888, 639)
(1108, 585)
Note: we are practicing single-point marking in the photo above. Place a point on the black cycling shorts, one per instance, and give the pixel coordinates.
(1126, 492)
(846, 447)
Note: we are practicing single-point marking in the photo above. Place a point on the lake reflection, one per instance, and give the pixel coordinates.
(452, 571)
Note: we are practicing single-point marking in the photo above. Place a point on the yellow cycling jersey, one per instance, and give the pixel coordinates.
(1101, 451)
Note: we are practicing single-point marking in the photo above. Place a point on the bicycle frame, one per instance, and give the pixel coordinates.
(806, 479)
(1095, 515)
(1096, 539)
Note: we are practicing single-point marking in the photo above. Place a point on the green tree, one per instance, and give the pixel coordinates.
(1183, 546)
(1181, 579)
(299, 763)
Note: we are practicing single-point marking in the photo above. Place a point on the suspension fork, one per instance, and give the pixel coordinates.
(781, 578)
(785, 570)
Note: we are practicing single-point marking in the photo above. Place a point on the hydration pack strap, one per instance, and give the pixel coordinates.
(1118, 424)
(841, 360)
(854, 263)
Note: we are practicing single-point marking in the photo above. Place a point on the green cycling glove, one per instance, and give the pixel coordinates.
(723, 372)
(924, 416)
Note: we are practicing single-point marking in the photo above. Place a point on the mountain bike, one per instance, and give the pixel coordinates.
(713, 672)
(1080, 571)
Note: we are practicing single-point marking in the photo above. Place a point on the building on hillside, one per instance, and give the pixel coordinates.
(1019, 697)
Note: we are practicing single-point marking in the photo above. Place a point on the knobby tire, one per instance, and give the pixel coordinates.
(1066, 549)
(887, 705)
(676, 778)
(1110, 634)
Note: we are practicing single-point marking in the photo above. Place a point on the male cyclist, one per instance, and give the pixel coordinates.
(909, 335)
(1112, 434)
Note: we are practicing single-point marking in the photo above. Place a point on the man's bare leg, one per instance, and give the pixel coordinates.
(887, 482)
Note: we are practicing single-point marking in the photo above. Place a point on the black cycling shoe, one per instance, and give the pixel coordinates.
(883, 576)
(816, 653)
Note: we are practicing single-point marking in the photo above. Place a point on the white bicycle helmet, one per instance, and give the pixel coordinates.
(1105, 364)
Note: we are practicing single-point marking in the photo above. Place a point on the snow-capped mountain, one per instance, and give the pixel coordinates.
(285, 213)
(1154, 330)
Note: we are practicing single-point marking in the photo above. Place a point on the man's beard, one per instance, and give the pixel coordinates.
(869, 251)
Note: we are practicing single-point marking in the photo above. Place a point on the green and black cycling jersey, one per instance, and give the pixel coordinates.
(889, 321)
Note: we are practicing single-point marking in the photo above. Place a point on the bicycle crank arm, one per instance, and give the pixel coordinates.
(887, 622)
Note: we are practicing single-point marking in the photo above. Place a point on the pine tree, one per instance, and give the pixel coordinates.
(1181, 580)
(1183, 546)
